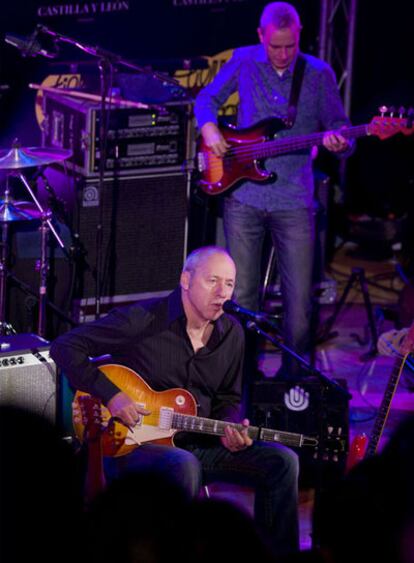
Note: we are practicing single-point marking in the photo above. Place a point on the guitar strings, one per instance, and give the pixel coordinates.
(249, 150)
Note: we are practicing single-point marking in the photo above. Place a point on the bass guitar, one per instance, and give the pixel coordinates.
(171, 411)
(363, 447)
(249, 147)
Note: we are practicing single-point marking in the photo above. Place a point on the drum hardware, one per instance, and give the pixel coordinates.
(9, 212)
(13, 160)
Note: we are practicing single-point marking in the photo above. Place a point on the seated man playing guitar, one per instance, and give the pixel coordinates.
(186, 341)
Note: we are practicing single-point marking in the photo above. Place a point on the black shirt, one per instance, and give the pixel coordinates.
(152, 340)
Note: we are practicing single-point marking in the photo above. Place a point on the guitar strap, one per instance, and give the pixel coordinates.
(297, 80)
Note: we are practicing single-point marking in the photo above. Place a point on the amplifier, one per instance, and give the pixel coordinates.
(28, 375)
(144, 235)
(148, 140)
(306, 407)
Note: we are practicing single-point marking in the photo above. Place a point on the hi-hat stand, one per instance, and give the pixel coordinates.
(325, 332)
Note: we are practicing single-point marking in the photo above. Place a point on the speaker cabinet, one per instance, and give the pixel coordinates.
(28, 375)
(144, 235)
(306, 407)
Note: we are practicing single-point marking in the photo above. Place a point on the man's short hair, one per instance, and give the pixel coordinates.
(196, 257)
(281, 15)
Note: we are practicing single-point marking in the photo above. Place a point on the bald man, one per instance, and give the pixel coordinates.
(185, 340)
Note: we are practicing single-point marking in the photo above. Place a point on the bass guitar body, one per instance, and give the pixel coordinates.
(240, 161)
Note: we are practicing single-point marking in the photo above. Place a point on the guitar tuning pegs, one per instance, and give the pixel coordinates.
(382, 110)
(391, 109)
(401, 111)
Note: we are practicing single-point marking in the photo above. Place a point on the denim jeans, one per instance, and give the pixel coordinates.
(292, 233)
(271, 469)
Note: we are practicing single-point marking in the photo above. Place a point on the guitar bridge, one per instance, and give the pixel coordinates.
(166, 418)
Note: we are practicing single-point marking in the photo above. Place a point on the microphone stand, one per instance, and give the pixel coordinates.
(107, 61)
(278, 343)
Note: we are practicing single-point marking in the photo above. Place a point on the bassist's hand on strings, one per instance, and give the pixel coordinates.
(214, 139)
(335, 142)
(121, 406)
(234, 440)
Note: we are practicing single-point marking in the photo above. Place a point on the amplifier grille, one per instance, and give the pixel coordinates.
(28, 380)
(144, 233)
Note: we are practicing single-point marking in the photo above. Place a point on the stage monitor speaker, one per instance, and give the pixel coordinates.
(306, 407)
(28, 375)
(144, 233)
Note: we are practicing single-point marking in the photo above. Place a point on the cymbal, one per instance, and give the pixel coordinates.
(18, 211)
(20, 157)
(30, 208)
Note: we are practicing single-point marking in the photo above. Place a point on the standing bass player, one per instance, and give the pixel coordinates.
(263, 75)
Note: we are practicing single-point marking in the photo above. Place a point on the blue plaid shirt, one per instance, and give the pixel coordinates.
(264, 93)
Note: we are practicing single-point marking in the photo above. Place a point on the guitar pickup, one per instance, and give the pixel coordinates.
(166, 418)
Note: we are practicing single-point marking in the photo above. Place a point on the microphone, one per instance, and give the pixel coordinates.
(234, 308)
(29, 46)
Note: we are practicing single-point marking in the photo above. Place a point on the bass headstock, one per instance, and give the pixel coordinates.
(392, 121)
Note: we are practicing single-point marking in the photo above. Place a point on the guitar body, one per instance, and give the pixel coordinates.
(357, 451)
(219, 174)
(117, 439)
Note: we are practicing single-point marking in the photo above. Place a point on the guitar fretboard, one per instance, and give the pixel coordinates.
(291, 144)
(216, 427)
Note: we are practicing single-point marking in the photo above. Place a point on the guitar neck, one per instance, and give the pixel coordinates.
(216, 427)
(384, 409)
(291, 144)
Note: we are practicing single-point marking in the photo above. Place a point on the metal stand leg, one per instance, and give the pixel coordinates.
(43, 271)
(3, 274)
(358, 274)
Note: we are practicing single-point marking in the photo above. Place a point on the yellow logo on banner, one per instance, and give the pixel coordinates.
(62, 81)
(195, 80)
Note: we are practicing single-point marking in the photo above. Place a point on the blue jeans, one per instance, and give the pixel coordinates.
(292, 233)
(271, 469)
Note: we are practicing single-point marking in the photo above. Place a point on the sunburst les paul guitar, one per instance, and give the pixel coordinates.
(249, 147)
(363, 446)
(171, 411)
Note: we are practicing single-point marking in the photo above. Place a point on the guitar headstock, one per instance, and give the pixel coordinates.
(390, 122)
(333, 446)
(87, 410)
(408, 342)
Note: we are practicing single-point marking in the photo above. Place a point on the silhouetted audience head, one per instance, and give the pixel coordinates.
(40, 493)
(138, 518)
(369, 515)
(221, 532)
(144, 518)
